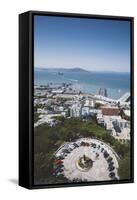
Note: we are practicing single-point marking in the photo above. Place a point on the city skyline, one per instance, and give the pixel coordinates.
(90, 44)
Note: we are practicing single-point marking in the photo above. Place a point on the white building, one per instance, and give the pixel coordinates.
(122, 123)
(39, 93)
(89, 103)
(127, 112)
(93, 111)
(85, 111)
(100, 119)
(43, 111)
(58, 91)
(75, 110)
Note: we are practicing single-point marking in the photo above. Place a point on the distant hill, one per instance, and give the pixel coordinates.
(76, 69)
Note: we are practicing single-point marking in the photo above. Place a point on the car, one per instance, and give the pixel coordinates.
(112, 175)
(111, 168)
(87, 144)
(65, 151)
(115, 178)
(70, 149)
(66, 146)
(76, 180)
(58, 170)
(75, 145)
(83, 143)
(106, 154)
(59, 173)
(97, 155)
(70, 146)
(102, 149)
(111, 163)
(58, 166)
(109, 159)
(77, 142)
(57, 162)
(93, 145)
(64, 154)
(60, 158)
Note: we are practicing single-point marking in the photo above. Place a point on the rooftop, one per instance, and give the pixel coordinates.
(110, 110)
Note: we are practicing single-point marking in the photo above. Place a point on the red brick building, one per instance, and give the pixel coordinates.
(108, 110)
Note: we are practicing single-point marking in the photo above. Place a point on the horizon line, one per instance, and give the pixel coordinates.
(82, 69)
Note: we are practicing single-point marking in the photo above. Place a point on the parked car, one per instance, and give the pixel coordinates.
(112, 175)
(111, 163)
(87, 144)
(60, 166)
(109, 159)
(115, 178)
(93, 145)
(57, 162)
(64, 154)
(97, 155)
(106, 154)
(102, 149)
(111, 168)
(59, 171)
(83, 143)
(60, 158)
(65, 151)
(76, 145)
(70, 149)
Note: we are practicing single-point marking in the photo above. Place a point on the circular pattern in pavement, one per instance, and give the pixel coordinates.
(105, 160)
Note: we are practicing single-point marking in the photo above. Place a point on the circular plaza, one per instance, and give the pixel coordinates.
(86, 159)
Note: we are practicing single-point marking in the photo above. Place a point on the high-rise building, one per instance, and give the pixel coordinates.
(103, 92)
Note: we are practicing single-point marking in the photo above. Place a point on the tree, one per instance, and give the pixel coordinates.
(124, 167)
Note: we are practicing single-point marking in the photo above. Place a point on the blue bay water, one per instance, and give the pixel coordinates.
(115, 83)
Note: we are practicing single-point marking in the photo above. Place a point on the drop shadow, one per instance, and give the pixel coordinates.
(14, 181)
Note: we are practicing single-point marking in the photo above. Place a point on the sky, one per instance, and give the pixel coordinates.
(91, 44)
